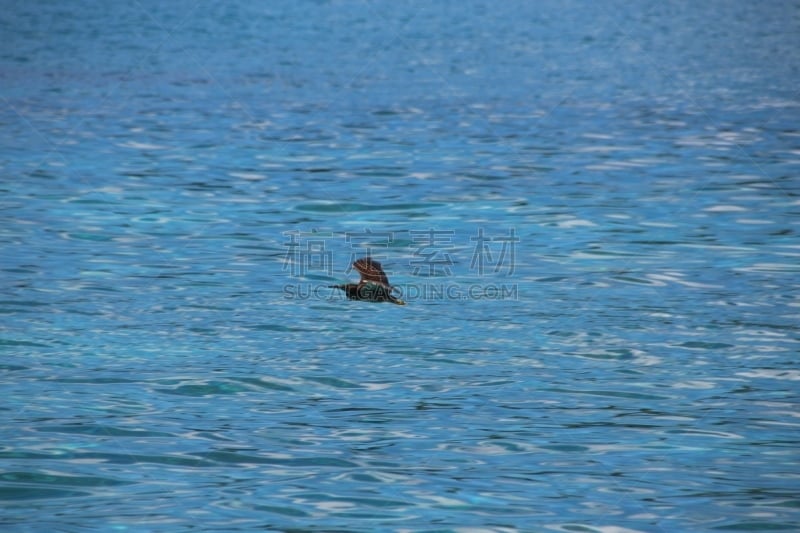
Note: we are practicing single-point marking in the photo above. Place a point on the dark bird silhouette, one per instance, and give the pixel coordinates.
(373, 286)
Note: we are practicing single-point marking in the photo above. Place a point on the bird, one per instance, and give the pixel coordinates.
(373, 286)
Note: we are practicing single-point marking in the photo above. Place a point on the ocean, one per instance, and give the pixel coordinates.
(590, 209)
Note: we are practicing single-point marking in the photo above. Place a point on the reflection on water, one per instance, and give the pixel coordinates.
(591, 211)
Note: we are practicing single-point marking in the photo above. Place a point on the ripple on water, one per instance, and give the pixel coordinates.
(154, 375)
(205, 388)
(352, 207)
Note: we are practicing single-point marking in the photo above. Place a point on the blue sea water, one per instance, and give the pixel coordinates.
(591, 210)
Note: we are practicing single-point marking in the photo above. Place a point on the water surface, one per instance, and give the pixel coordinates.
(592, 211)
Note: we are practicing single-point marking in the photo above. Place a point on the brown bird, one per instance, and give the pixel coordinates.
(373, 286)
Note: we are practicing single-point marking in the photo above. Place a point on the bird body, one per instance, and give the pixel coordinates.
(373, 286)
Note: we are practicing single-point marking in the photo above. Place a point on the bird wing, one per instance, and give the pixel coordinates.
(371, 271)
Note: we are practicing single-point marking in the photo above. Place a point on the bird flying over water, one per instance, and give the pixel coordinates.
(373, 286)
